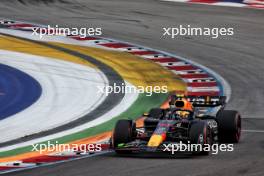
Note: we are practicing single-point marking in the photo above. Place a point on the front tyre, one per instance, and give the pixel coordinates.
(123, 133)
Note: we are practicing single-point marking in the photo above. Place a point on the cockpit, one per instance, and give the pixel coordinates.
(178, 114)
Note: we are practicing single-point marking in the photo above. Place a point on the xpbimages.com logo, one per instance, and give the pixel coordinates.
(183, 147)
(188, 30)
(128, 89)
(57, 147)
(61, 31)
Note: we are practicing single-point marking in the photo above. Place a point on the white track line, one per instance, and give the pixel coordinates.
(253, 117)
(253, 131)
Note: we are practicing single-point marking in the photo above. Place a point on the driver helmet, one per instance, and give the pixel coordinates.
(184, 108)
(184, 104)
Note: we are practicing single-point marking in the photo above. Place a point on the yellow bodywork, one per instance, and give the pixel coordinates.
(155, 140)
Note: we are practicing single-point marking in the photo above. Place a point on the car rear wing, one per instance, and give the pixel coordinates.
(201, 101)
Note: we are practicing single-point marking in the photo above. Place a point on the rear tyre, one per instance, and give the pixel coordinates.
(123, 133)
(200, 133)
(229, 126)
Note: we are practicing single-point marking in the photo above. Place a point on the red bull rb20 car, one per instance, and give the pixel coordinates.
(191, 120)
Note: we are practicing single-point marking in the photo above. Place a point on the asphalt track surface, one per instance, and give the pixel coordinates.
(238, 58)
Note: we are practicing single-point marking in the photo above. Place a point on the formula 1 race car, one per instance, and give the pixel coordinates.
(188, 119)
